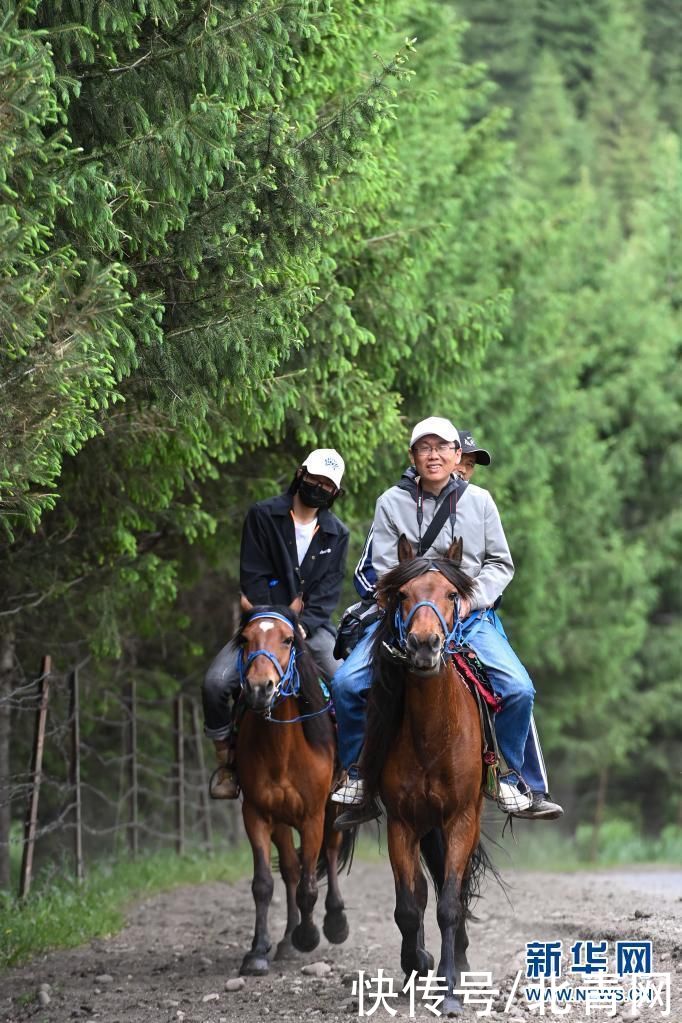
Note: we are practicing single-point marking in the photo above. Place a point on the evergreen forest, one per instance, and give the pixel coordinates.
(234, 231)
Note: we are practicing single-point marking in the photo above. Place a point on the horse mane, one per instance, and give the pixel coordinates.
(386, 699)
(318, 730)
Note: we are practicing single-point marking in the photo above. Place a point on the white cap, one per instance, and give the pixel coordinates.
(437, 426)
(326, 462)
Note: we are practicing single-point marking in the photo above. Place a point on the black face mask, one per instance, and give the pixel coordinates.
(315, 496)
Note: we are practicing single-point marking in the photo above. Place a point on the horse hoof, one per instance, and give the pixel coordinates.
(423, 962)
(305, 939)
(285, 949)
(254, 966)
(335, 927)
(451, 1006)
(426, 962)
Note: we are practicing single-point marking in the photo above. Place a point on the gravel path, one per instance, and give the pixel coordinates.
(171, 962)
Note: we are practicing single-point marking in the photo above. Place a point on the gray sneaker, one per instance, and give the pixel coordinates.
(541, 809)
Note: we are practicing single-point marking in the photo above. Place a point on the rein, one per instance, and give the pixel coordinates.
(289, 683)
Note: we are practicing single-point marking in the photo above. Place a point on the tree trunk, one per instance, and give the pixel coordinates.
(599, 811)
(6, 685)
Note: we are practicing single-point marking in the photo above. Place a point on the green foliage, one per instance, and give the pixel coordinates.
(581, 404)
(236, 231)
(63, 914)
(620, 843)
(65, 341)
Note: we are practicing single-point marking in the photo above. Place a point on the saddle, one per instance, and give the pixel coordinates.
(475, 677)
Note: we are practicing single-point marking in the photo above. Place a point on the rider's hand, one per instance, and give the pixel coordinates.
(464, 608)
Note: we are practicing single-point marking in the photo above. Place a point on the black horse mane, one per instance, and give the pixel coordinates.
(387, 696)
(318, 730)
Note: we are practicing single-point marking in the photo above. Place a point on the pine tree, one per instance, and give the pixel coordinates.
(571, 34)
(552, 144)
(503, 37)
(663, 40)
(65, 342)
(622, 108)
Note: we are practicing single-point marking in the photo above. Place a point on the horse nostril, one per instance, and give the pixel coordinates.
(412, 642)
(434, 641)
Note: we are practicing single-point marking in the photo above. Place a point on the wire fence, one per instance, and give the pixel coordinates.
(103, 770)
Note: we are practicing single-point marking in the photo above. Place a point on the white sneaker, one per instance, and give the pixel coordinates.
(351, 792)
(511, 799)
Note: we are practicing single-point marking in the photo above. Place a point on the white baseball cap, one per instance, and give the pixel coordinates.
(437, 426)
(326, 462)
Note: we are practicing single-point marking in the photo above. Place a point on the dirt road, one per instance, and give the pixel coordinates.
(171, 962)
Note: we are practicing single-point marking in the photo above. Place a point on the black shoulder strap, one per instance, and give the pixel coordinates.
(448, 507)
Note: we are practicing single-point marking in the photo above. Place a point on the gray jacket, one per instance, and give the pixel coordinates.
(486, 556)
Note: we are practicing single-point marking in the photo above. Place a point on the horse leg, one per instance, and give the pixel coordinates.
(451, 911)
(411, 894)
(335, 924)
(259, 832)
(306, 936)
(461, 936)
(290, 868)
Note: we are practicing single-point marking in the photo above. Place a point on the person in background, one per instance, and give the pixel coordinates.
(292, 544)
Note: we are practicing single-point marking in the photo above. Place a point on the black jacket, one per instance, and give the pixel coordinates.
(269, 569)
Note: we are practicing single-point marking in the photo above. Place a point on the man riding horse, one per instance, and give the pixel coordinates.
(292, 545)
(365, 582)
(409, 508)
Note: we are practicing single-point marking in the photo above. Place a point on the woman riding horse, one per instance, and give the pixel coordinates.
(286, 756)
(423, 756)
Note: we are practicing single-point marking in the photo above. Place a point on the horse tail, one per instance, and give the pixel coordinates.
(432, 850)
(346, 849)
(432, 854)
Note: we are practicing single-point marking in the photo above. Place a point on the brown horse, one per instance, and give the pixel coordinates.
(423, 756)
(286, 752)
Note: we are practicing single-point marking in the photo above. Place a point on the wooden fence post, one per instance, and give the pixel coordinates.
(7, 680)
(31, 824)
(133, 787)
(75, 772)
(178, 707)
(203, 780)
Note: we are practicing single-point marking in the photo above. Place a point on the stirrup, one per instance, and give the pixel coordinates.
(231, 777)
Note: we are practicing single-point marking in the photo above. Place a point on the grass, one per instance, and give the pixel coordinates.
(63, 914)
(544, 847)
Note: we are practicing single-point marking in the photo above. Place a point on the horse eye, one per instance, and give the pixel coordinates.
(402, 595)
(289, 641)
(453, 595)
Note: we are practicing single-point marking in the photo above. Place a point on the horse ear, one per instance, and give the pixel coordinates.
(245, 603)
(405, 550)
(455, 551)
(297, 604)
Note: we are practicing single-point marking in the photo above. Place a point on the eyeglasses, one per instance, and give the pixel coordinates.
(319, 481)
(439, 449)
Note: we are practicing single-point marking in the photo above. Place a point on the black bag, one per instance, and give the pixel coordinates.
(355, 620)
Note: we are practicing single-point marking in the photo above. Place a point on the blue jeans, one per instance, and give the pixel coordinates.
(516, 733)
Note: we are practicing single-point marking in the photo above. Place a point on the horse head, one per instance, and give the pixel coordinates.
(422, 596)
(267, 653)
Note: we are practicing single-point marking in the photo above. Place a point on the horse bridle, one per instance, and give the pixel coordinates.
(289, 682)
(452, 637)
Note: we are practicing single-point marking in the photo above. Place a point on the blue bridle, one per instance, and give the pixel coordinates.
(453, 636)
(289, 683)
